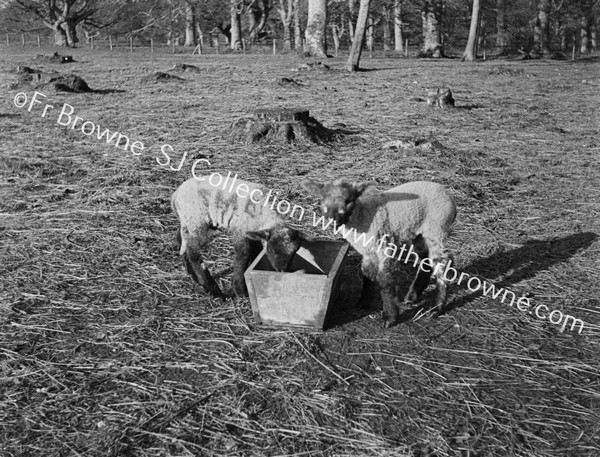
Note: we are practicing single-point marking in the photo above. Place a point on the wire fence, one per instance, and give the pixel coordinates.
(217, 44)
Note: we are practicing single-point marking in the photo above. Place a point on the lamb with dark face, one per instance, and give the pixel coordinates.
(417, 213)
(202, 207)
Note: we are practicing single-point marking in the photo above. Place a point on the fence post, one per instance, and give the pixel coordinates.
(110, 41)
(22, 39)
(38, 40)
(244, 45)
(573, 54)
(92, 42)
(173, 46)
(217, 45)
(274, 46)
(151, 45)
(131, 43)
(406, 48)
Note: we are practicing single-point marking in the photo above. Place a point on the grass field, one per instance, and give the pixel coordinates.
(108, 349)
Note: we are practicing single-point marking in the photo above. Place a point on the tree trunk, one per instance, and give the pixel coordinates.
(236, 25)
(335, 32)
(470, 55)
(543, 17)
(258, 13)
(297, 28)
(387, 29)
(359, 36)
(286, 13)
(352, 19)
(190, 26)
(316, 44)
(431, 16)
(585, 38)
(287, 35)
(502, 37)
(537, 35)
(71, 31)
(563, 38)
(60, 36)
(398, 35)
(370, 33)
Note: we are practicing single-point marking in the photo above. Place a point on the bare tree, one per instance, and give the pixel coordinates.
(235, 41)
(502, 37)
(359, 36)
(386, 15)
(587, 25)
(353, 17)
(191, 37)
(594, 34)
(60, 16)
(316, 28)
(297, 27)
(337, 32)
(431, 16)
(286, 13)
(543, 22)
(398, 32)
(470, 53)
(258, 15)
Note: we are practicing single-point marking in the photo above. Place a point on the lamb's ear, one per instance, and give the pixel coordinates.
(260, 235)
(315, 188)
(360, 187)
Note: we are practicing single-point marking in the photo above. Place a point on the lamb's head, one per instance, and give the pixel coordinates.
(338, 198)
(282, 243)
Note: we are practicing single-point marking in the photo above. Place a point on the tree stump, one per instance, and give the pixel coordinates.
(70, 83)
(185, 67)
(440, 98)
(55, 58)
(281, 125)
(160, 76)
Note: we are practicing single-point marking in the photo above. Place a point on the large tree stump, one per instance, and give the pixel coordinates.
(440, 98)
(280, 125)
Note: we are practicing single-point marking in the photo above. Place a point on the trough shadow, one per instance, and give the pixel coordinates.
(523, 263)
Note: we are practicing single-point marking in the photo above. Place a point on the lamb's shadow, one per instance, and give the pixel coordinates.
(506, 268)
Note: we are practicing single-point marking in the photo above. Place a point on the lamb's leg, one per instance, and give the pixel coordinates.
(385, 280)
(245, 252)
(440, 259)
(198, 270)
(370, 289)
(423, 275)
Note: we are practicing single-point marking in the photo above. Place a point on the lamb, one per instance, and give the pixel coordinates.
(202, 206)
(419, 213)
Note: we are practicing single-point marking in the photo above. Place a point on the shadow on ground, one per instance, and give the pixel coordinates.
(502, 268)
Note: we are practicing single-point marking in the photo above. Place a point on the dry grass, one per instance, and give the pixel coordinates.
(106, 348)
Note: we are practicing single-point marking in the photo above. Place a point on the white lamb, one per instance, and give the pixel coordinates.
(418, 213)
(201, 207)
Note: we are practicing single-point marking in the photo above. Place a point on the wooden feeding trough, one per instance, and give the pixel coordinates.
(301, 296)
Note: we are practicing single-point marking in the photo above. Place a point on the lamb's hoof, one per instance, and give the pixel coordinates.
(411, 297)
(436, 311)
(387, 323)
